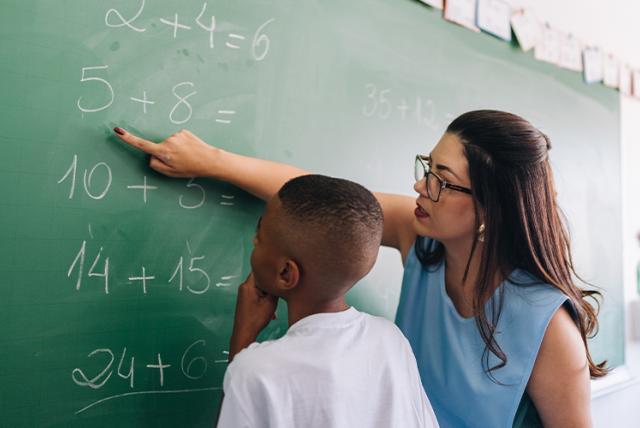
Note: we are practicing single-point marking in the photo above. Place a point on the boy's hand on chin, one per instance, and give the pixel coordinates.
(254, 310)
(254, 307)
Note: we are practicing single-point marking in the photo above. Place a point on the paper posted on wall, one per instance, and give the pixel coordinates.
(549, 45)
(636, 83)
(461, 12)
(592, 61)
(570, 53)
(494, 16)
(611, 71)
(625, 79)
(438, 4)
(526, 28)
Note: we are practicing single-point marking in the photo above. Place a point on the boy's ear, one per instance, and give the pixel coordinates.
(289, 275)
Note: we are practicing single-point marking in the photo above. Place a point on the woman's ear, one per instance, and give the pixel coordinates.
(289, 275)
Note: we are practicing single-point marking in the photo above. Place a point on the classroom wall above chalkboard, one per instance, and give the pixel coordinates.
(552, 45)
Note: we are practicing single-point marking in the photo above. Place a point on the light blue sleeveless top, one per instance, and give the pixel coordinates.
(449, 348)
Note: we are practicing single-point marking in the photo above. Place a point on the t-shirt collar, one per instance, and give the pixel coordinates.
(326, 320)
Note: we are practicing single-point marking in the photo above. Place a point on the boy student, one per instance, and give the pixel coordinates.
(335, 366)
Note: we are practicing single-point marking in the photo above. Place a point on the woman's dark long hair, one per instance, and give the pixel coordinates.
(514, 194)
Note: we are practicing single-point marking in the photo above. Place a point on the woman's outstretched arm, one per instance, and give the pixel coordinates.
(185, 155)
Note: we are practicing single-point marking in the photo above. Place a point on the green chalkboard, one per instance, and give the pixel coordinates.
(353, 89)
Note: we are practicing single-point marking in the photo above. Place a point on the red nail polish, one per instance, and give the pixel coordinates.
(119, 131)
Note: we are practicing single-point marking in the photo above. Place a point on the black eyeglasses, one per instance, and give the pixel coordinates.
(435, 184)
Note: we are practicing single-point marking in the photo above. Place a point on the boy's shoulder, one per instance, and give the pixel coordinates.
(256, 357)
(386, 329)
(271, 356)
(261, 361)
(314, 355)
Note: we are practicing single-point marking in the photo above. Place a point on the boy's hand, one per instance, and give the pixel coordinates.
(254, 310)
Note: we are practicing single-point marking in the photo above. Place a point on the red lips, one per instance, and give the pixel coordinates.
(420, 213)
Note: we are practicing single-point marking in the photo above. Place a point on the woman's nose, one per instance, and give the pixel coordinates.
(421, 187)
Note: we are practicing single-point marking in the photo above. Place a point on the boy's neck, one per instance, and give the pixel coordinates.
(299, 310)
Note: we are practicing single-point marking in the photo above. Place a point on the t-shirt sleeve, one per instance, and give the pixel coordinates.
(234, 413)
(422, 405)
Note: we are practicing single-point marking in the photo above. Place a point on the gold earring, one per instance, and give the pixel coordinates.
(481, 233)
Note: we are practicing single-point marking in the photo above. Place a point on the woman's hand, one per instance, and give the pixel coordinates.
(185, 155)
(181, 155)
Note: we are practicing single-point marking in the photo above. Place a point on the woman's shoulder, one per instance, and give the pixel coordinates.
(526, 292)
(529, 284)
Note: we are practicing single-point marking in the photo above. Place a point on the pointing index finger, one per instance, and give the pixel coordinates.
(137, 142)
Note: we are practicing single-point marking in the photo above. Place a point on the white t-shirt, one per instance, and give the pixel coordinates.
(344, 369)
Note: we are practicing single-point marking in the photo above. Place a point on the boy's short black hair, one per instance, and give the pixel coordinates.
(336, 223)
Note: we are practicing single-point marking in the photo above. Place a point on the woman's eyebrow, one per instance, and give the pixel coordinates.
(443, 167)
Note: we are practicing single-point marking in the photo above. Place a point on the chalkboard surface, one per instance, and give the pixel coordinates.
(118, 285)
